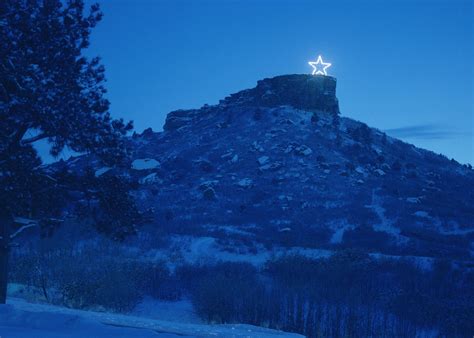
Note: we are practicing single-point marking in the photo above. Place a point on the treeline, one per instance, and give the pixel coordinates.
(348, 294)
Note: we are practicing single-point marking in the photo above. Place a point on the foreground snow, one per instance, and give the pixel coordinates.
(20, 319)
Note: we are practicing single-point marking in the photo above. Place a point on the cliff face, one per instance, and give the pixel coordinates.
(305, 92)
(275, 166)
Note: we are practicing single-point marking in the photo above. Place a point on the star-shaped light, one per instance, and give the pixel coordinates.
(319, 67)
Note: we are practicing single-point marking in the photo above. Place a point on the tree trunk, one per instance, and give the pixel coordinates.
(5, 224)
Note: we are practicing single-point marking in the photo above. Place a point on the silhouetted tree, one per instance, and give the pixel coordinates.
(117, 214)
(48, 91)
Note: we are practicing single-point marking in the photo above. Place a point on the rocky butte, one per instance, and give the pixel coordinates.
(275, 167)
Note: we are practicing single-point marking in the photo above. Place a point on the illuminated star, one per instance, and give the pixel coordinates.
(319, 67)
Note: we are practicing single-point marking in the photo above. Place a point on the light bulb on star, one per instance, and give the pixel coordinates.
(319, 67)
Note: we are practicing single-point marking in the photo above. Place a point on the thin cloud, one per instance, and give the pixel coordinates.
(425, 132)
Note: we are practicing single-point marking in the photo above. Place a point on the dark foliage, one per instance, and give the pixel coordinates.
(46, 85)
(90, 278)
(227, 292)
(346, 295)
(117, 214)
(48, 91)
(349, 294)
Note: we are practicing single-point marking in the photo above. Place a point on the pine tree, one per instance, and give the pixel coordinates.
(117, 215)
(48, 91)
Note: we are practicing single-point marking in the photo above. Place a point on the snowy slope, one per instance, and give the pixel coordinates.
(20, 319)
(272, 166)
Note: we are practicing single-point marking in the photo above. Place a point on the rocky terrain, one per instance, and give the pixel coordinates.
(275, 166)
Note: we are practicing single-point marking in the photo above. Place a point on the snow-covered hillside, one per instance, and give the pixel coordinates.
(276, 166)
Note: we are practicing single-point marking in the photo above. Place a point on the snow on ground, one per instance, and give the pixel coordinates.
(150, 179)
(172, 311)
(385, 225)
(145, 163)
(101, 171)
(339, 228)
(20, 319)
(449, 228)
(18, 322)
(206, 250)
(245, 183)
(422, 262)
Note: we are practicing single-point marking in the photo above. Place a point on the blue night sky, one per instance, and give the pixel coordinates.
(402, 66)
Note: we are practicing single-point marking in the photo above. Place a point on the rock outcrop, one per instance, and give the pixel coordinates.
(306, 92)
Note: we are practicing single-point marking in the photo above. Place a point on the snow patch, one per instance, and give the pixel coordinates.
(245, 183)
(340, 228)
(413, 200)
(145, 163)
(263, 160)
(101, 171)
(361, 170)
(422, 214)
(385, 225)
(379, 172)
(150, 179)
